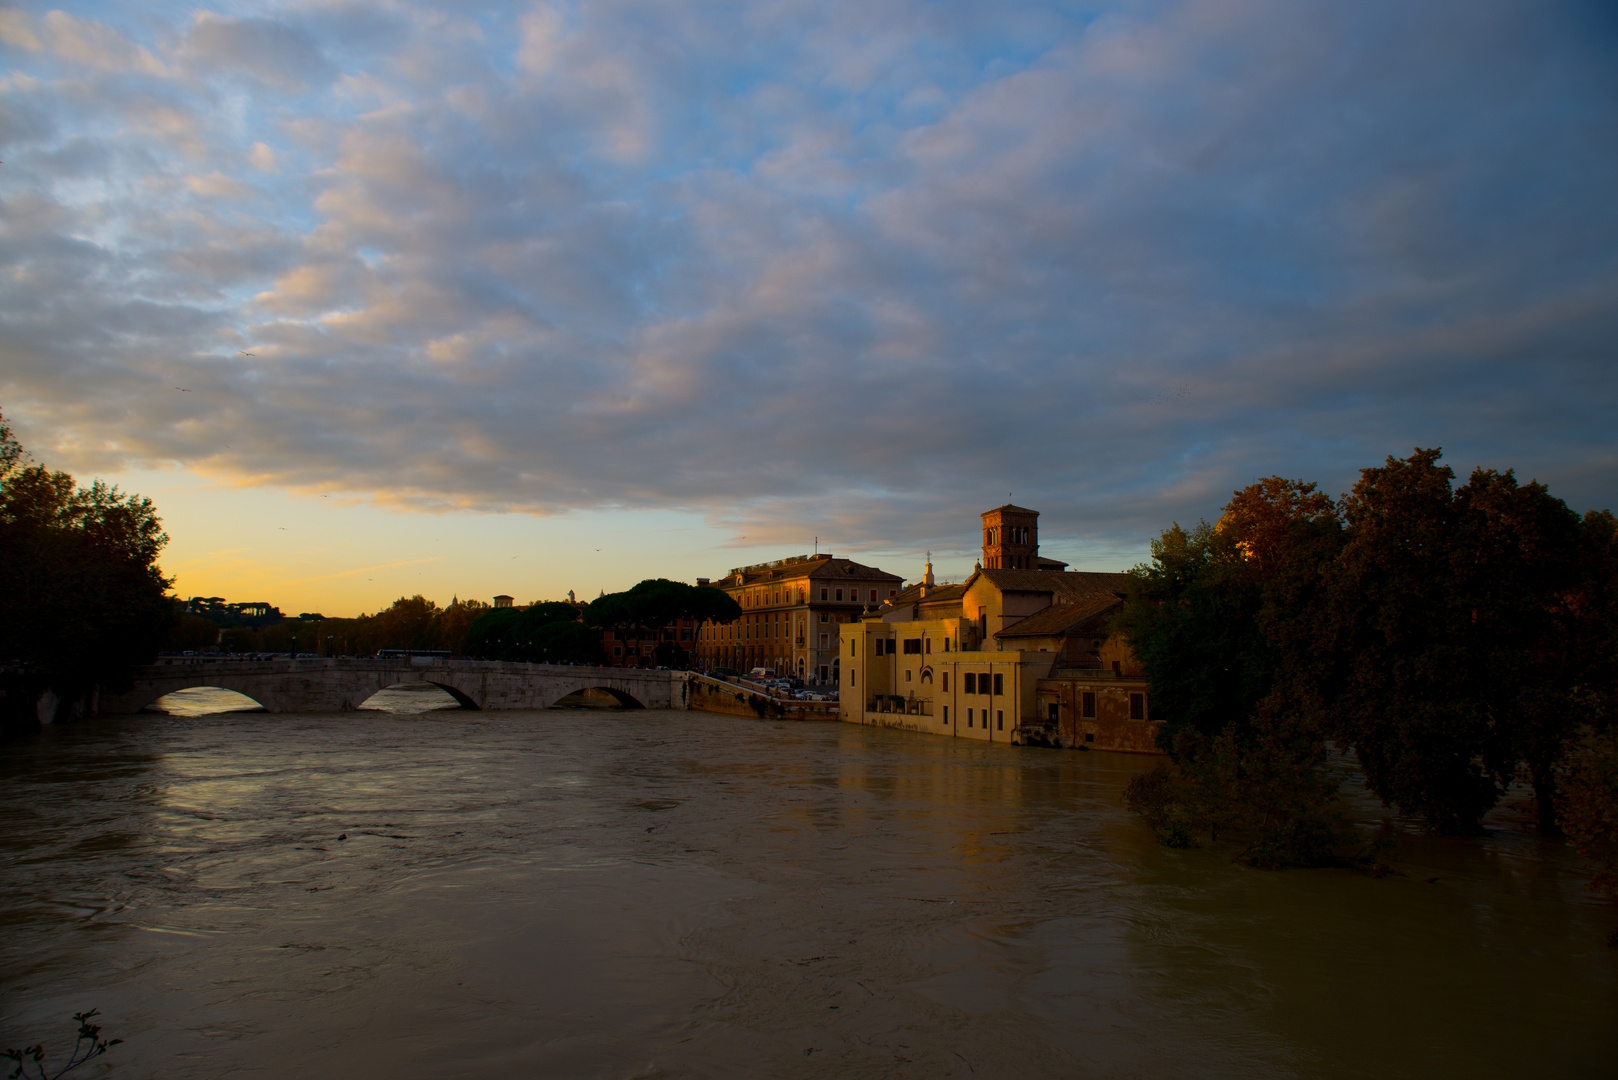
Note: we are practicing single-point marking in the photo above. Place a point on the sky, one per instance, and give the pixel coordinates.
(377, 298)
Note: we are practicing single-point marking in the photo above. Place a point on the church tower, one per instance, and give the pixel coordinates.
(1011, 538)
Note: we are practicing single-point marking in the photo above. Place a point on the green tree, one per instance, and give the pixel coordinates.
(548, 633)
(82, 563)
(1214, 620)
(1192, 620)
(653, 605)
(1454, 611)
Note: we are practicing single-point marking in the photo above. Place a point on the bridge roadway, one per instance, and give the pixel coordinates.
(327, 684)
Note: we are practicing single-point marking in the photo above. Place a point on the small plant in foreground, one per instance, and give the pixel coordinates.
(88, 1045)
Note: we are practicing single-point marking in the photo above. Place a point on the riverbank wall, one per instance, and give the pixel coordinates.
(731, 699)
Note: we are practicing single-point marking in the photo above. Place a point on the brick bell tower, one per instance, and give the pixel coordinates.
(1011, 538)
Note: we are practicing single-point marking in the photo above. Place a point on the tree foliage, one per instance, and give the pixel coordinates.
(1454, 638)
(658, 602)
(541, 633)
(82, 563)
(1212, 617)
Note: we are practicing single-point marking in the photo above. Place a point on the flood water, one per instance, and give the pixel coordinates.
(662, 894)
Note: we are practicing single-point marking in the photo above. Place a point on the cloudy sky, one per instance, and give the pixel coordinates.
(385, 297)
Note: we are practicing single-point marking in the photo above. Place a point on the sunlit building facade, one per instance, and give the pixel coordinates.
(792, 613)
(1022, 651)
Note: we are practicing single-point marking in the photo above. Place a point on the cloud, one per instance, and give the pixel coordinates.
(90, 44)
(867, 267)
(261, 157)
(264, 50)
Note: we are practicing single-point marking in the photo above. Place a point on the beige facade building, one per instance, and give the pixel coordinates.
(1022, 651)
(792, 612)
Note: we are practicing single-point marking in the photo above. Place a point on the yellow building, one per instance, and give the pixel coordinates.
(792, 611)
(1022, 651)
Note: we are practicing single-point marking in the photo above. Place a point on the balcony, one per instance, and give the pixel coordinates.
(889, 703)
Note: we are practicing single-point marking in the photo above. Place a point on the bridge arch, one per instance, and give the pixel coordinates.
(249, 701)
(624, 698)
(460, 697)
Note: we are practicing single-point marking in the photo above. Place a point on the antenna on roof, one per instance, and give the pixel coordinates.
(817, 545)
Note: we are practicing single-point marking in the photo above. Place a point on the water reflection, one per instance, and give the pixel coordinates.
(591, 893)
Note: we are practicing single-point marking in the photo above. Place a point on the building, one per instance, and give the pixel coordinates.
(669, 646)
(1022, 651)
(503, 600)
(792, 612)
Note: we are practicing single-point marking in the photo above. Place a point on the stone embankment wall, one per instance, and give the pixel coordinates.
(729, 699)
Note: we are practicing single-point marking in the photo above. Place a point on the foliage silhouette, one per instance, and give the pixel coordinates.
(89, 1044)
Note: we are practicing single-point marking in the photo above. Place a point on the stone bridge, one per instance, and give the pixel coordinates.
(325, 684)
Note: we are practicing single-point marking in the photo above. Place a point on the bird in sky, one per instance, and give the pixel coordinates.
(183, 389)
(244, 352)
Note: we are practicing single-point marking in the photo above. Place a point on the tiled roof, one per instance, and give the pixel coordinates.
(1012, 507)
(1066, 586)
(832, 569)
(1061, 618)
(935, 594)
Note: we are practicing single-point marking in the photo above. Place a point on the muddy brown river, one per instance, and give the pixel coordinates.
(661, 894)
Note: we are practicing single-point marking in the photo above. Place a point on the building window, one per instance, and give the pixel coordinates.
(1089, 705)
(946, 716)
(825, 616)
(822, 641)
(945, 684)
(929, 645)
(1052, 712)
(853, 677)
(999, 684)
(892, 593)
(907, 674)
(1000, 720)
(823, 594)
(969, 718)
(971, 686)
(839, 594)
(1137, 706)
(1089, 736)
(873, 596)
(912, 646)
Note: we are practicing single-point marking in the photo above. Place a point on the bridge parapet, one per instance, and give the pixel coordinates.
(338, 684)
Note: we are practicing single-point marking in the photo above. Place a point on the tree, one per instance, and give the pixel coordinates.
(540, 633)
(654, 604)
(1450, 609)
(1191, 618)
(1213, 618)
(79, 567)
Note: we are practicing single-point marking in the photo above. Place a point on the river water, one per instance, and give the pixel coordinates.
(648, 894)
